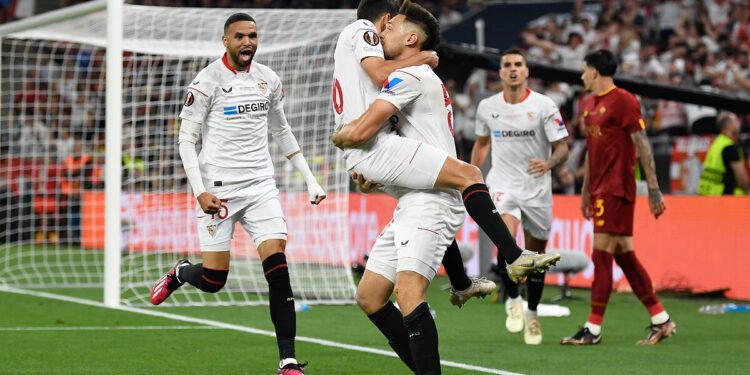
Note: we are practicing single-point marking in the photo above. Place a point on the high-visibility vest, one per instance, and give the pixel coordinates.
(712, 178)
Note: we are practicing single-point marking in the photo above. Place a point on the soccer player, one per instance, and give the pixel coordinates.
(231, 104)
(389, 159)
(360, 69)
(408, 252)
(528, 138)
(614, 131)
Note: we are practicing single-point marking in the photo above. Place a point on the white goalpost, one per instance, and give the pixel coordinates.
(89, 159)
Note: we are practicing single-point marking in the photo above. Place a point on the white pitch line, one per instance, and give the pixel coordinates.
(212, 323)
(104, 328)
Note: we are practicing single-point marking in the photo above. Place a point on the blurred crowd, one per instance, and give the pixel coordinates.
(691, 43)
(57, 126)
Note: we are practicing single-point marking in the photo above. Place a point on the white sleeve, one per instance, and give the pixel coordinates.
(552, 122)
(197, 100)
(367, 43)
(190, 133)
(482, 128)
(401, 89)
(283, 136)
(277, 123)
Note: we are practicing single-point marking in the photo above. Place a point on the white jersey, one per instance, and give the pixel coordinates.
(424, 108)
(353, 91)
(520, 132)
(235, 110)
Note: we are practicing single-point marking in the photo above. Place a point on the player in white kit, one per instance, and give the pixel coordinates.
(408, 252)
(360, 71)
(387, 159)
(231, 105)
(528, 139)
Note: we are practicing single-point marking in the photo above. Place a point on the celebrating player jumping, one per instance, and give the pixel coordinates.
(231, 105)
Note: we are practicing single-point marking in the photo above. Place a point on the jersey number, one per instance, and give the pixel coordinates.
(223, 211)
(599, 207)
(449, 107)
(338, 97)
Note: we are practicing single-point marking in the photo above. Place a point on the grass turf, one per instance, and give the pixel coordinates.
(473, 335)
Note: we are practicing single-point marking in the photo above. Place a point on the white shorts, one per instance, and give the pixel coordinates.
(403, 162)
(423, 226)
(537, 220)
(255, 205)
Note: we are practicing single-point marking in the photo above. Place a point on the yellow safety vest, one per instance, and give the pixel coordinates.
(712, 178)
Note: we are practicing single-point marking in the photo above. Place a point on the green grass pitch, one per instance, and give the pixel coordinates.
(474, 335)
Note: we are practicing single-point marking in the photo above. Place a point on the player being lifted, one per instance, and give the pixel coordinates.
(528, 139)
(231, 105)
(614, 131)
(371, 150)
(408, 252)
(360, 70)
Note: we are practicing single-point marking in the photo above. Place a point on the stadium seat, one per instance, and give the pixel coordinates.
(571, 262)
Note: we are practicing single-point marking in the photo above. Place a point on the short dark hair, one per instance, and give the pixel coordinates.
(236, 18)
(371, 10)
(513, 51)
(421, 17)
(605, 62)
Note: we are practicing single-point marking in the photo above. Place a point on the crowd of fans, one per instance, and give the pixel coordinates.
(703, 44)
(691, 43)
(57, 126)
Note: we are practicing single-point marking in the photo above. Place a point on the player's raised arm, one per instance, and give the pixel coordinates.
(378, 68)
(362, 129)
(283, 136)
(655, 199)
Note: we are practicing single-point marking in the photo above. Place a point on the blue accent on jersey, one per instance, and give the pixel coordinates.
(391, 84)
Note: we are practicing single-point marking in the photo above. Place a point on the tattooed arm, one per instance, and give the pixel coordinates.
(538, 168)
(655, 200)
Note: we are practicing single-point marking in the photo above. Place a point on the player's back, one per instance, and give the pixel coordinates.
(353, 91)
(425, 115)
(428, 118)
(610, 118)
(520, 132)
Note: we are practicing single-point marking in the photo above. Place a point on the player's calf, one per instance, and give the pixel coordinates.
(206, 279)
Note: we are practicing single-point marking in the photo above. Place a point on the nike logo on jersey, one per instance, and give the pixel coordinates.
(196, 82)
(403, 243)
(495, 115)
(227, 91)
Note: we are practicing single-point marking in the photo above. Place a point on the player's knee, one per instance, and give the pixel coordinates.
(365, 304)
(470, 175)
(213, 280)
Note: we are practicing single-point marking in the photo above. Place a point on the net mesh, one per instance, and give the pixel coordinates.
(53, 135)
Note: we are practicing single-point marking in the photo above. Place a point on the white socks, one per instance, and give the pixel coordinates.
(660, 318)
(287, 361)
(595, 329)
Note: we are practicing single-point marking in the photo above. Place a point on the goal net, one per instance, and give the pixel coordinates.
(52, 137)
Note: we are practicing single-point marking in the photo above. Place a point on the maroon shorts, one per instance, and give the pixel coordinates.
(613, 214)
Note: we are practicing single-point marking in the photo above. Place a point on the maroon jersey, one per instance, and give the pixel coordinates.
(610, 118)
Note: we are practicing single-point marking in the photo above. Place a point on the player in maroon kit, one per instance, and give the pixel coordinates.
(614, 130)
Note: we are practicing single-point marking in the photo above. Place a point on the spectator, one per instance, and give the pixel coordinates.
(724, 170)
(567, 56)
